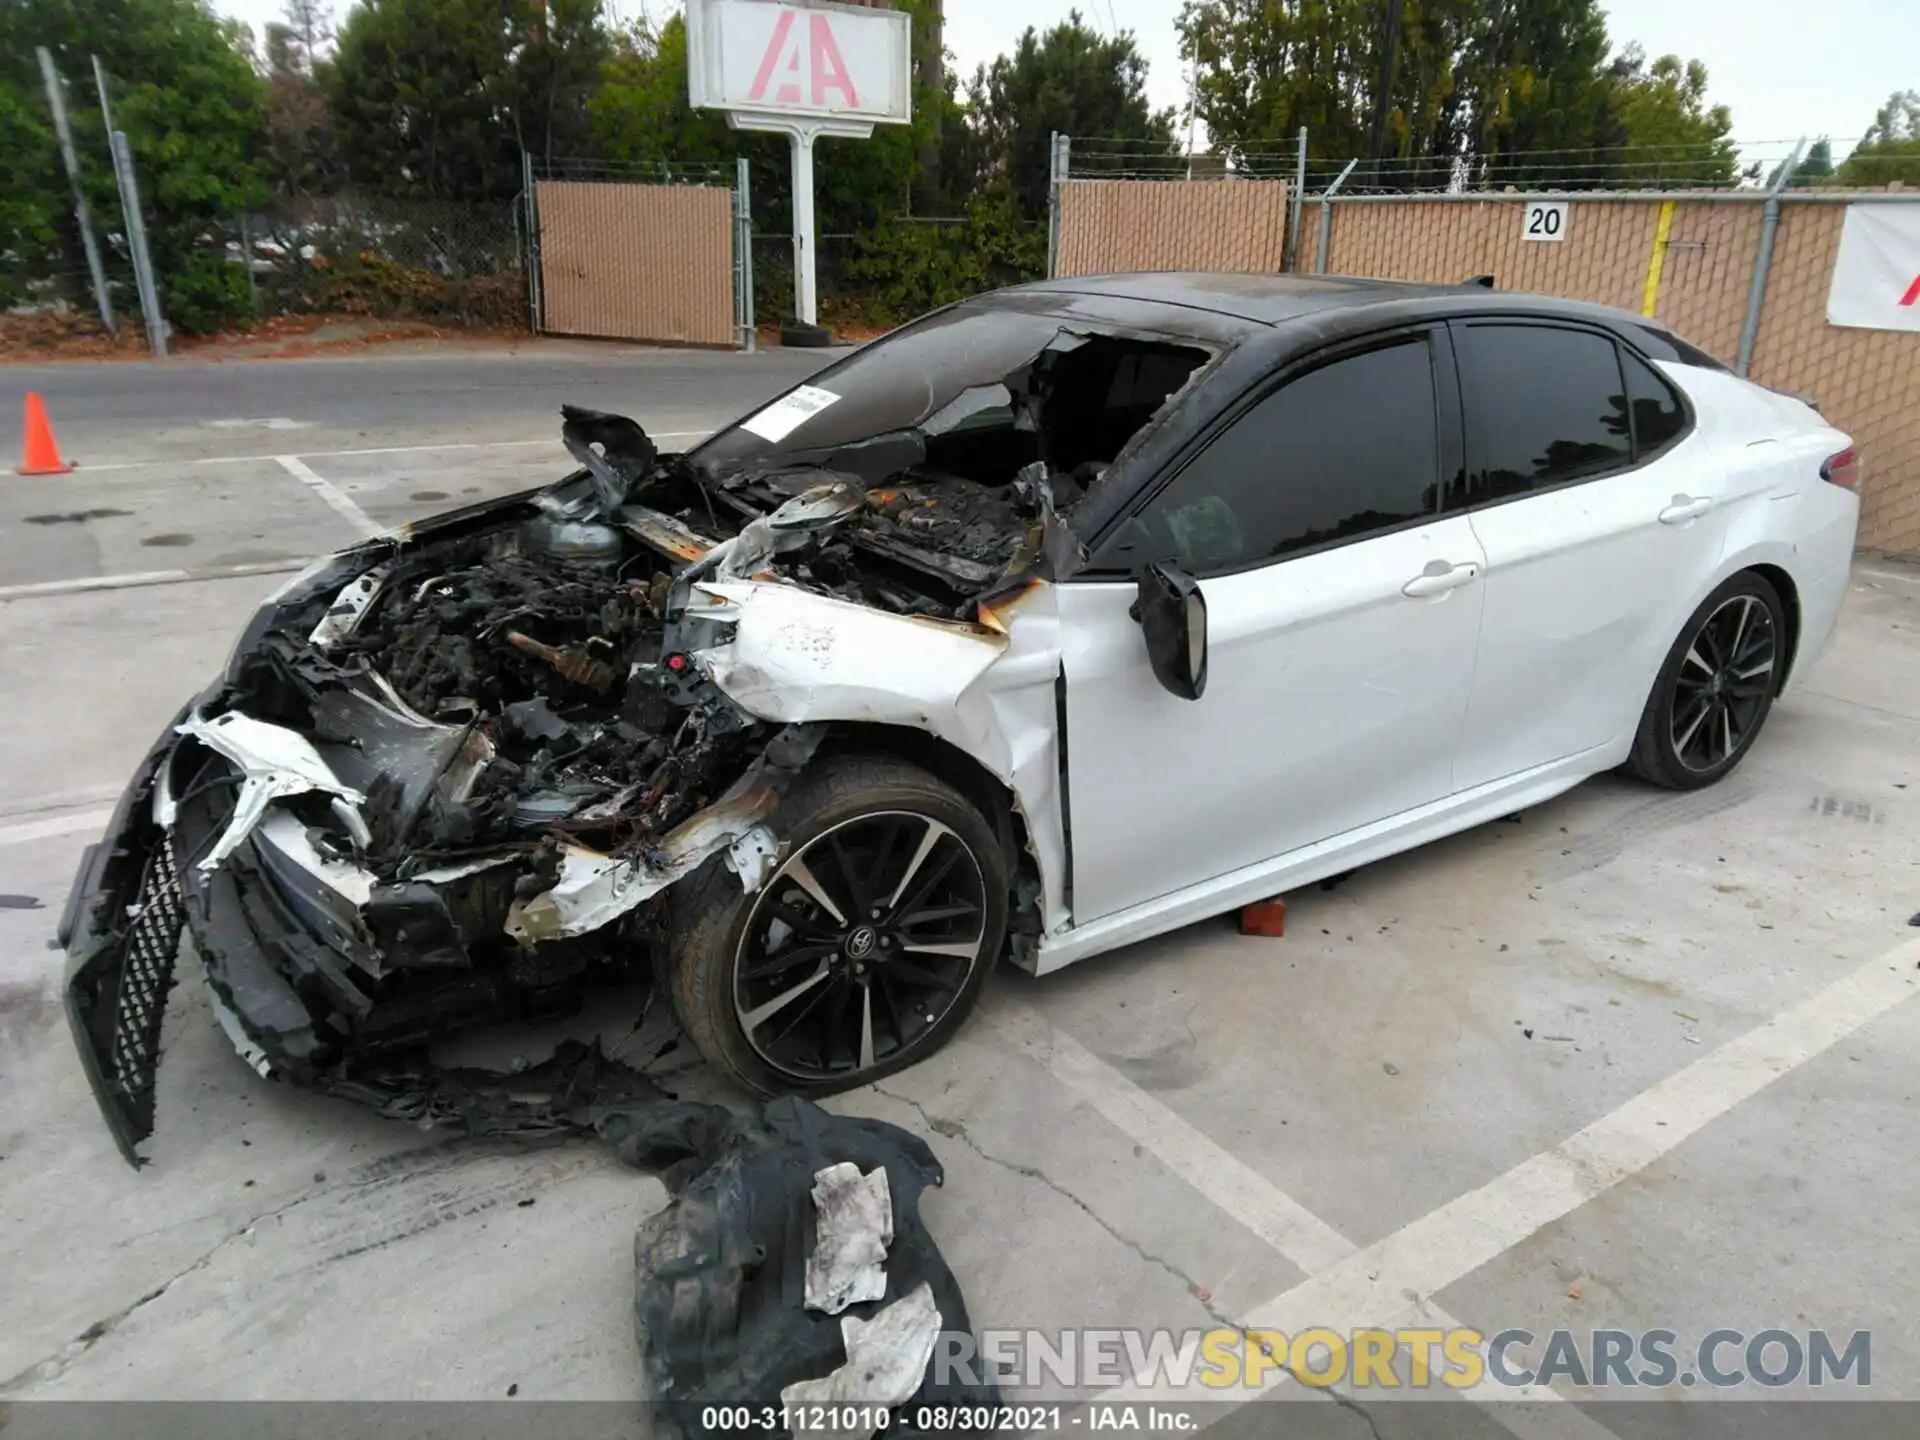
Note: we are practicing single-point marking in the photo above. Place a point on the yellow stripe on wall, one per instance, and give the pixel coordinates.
(1650, 297)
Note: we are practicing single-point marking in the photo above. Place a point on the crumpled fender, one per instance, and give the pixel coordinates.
(800, 656)
(986, 689)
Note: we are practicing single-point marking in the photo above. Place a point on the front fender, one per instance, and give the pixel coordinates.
(988, 690)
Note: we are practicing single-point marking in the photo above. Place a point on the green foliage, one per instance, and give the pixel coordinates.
(182, 90)
(205, 293)
(29, 206)
(905, 268)
(1890, 150)
(1815, 167)
(1073, 80)
(1524, 92)
(1669, 135)
(437, 97)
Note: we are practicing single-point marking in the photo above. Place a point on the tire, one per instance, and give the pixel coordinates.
(732, 955)
(798, 335)
(1708, 706)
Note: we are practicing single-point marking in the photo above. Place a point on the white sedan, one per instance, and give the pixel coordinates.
(1053, 621)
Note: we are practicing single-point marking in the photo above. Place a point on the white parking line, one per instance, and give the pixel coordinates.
(85, 469)
(128, 580)
(331, 496)
(1295, 1232)
(1392, 1281)
(56, 825)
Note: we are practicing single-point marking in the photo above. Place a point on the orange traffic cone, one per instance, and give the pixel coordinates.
(42, 455)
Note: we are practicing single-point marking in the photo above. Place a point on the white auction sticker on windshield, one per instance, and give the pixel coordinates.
(789, 412)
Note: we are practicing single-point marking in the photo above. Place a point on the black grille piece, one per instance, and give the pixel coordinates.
(151, 945)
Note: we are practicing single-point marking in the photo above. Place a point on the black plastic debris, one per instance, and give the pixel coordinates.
(721, 1271)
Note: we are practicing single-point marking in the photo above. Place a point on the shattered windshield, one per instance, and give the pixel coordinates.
(971, 392)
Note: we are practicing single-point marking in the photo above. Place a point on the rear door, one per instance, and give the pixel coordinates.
(1343, 604)
(1600, 507)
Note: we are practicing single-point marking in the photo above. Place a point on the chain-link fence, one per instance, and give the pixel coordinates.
(385, 258)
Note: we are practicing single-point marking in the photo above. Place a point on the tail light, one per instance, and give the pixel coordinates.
(1842, 469)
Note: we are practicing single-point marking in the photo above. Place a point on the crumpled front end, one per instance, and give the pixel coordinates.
(443, 780)
(449, 776)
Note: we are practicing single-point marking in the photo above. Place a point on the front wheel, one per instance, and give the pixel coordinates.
(864, 951)
(1716, 688)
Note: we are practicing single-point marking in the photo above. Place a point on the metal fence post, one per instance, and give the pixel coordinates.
(56, 100)
(1060, 156)
(743, 253)
(530, 216)
(1326, 216)
(1763, 262)
(1299, 200)
(137, 242)
(246, 262)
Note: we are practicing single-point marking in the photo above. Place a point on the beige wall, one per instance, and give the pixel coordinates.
(1866, 381)
(1111, 225)
(637, 262)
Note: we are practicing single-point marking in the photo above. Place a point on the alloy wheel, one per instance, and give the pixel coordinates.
(1723, 685)
(860, 943)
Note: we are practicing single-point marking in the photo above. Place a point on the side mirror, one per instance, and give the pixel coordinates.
(1173, 613)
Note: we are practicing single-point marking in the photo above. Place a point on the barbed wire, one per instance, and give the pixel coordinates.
(1729, 164)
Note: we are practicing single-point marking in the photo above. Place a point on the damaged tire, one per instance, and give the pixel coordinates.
(863, 952)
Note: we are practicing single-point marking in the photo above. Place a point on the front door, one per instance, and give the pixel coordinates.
(1343, 608)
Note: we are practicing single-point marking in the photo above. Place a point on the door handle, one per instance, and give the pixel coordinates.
(1436, 580)
(1683, 509)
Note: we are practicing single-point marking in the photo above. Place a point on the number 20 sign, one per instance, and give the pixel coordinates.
(1543, 220)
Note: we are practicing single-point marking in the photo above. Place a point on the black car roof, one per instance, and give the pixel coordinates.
(1263, 299)
(1210, 304)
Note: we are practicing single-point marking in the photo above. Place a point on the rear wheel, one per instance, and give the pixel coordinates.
(866, 949)
(1716, 688)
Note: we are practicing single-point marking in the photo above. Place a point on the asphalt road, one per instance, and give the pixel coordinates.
(407, 394)
(1635, 1061)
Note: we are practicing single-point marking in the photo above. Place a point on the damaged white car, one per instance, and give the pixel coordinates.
(1058, 619)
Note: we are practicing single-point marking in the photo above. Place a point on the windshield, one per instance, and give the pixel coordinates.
(976, 392)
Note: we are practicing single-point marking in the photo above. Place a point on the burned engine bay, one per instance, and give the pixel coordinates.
(468, 765)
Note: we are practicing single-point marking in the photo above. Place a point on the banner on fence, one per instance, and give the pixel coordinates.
(1876, 275)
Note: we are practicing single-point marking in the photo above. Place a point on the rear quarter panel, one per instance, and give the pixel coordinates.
(1780, 512)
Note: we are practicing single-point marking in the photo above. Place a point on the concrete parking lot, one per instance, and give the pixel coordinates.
(1631, 1060)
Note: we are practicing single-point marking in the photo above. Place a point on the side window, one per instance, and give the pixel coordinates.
(1543, 405)
(1657, 414)
(1342, 450)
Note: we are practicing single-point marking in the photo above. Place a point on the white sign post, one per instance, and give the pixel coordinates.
(1876, 273)
(801, 70)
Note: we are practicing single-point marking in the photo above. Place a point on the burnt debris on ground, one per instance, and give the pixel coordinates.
(790, 1265)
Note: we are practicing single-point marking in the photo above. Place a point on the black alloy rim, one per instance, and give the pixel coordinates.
(859, 945)
(1725, 679)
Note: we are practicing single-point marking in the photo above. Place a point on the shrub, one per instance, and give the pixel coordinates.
(207, 293)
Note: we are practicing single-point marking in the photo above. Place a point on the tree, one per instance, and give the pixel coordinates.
(1669, 136)
(188, 99)
(1506, 92)
(438, 97)
(29, 205)
(300, 154)
(1815, 167)
(1072, 80)
(309, 26)
(1890, 150)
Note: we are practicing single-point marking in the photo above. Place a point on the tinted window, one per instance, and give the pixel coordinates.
(1337, 452)
(1657, 416)
(1543, 406)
